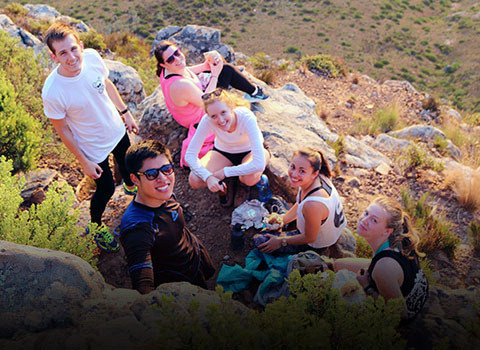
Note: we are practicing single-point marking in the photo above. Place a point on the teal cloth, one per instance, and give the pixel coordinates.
(237, 278)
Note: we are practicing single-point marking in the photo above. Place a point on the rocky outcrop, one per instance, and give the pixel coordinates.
(48, 13)
(25, 38)
(37, 182)
(194, 41)
(59, 300)
(128, 83)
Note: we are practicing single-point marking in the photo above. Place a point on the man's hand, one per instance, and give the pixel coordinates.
(92, 169)
(130, 123)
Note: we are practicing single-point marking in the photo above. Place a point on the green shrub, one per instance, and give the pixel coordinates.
(50, 224)
(20, 133)
(338, 146)
(387, 117)
(15, 9)
(326, 65)
(313, 317)
(434, 230)
(94, 40)
(26, 72)
(440, 143)
(362, 248)
(417, 157)
(474, 233)
(291, 49)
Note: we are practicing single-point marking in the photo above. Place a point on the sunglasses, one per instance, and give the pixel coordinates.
(152, 174)
(172, 57)
(215, 93)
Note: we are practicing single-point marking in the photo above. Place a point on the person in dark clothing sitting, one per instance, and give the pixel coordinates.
(158, 246)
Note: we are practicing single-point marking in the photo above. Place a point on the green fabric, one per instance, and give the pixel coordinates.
(236, 278)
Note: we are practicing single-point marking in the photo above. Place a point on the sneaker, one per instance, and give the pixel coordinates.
(258, 97)
(129, 192)
(105, 240)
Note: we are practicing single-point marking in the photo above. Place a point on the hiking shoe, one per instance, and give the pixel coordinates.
(128, 191)
(105, 240)
(257, 97)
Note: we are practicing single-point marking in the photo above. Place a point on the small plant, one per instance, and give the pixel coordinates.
(466, 185)
(93, 40)
(384, 120)
(291, 49)
(474, 233)
(440, 143)
(417, 157)
(20, 133)
(338, 146)
(434, 230)
(362, 248)
(51, 224)
(329, 66)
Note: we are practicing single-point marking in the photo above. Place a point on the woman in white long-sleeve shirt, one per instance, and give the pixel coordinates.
(238, 148)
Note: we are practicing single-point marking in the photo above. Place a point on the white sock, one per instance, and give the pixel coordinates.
(256, 90)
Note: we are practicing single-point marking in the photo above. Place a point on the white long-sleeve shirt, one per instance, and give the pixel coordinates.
(246, 137)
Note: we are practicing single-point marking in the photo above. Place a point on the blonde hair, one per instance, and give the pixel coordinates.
(58, 31)
(222, 95)
(403, 237)
(316, 159)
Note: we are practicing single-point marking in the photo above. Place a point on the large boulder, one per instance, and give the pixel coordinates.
(194, 41)
(128, 83)
(44, 12)
(26, 39)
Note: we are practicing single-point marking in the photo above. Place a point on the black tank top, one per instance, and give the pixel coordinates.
(415, 285)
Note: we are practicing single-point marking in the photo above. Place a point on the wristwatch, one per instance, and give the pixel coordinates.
(284, 242)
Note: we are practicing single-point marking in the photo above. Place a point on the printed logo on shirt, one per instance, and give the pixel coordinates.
(174, 215)
(98, 85)
(338, 218)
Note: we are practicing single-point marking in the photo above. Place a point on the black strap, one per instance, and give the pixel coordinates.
(172, 75)
(309, 193)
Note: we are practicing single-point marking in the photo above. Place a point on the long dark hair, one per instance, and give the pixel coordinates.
(159, 50)
(316, 159)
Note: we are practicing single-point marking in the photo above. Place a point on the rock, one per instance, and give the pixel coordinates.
(426, 133)
(157, 123)
(397, 86)
(164, 34)
(25, 38)
(383, 169)
(37, 180)
(362, 155)
(347, 241)
(50, 14)
(42, 12)
(194, 41)
(453, 150)
(128, 83)
(450, 113)
(387, 143)
(353, 182)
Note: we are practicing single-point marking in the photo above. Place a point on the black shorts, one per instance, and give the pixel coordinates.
(235, 158)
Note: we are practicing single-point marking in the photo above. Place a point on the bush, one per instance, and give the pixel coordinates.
(26, 73)
(93, 40)
(313, 317)
(434, 230)
(474, 233)
(465, 185)
(338, 146)
(329, 66)
(20, 133)
(384, 120)
(50, 224)
(418, 157)
(362, 249)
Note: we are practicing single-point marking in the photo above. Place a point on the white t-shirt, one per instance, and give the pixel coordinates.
(246, 137)
(332, 228)
(83, 101)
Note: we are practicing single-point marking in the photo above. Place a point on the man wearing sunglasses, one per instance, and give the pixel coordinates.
(83, 106)
(158, 246)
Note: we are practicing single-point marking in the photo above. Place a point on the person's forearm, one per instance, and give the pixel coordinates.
(114, 95)
(199, 68)
(290, 215)
(67, 138)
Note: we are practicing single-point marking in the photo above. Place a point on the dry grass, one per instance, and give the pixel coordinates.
(466, 185)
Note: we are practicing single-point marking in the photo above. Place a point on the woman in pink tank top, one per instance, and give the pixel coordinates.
(183, 90)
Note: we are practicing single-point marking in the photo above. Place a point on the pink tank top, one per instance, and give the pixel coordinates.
(185, 115)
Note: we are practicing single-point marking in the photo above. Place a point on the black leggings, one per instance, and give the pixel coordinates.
(230, 75)
(105, 183)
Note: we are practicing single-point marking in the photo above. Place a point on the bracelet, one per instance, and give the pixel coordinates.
(124, 111)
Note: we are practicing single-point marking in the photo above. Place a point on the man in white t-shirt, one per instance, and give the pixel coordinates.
(83, 106)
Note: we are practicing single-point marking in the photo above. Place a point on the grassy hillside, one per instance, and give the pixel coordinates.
(433, 44)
